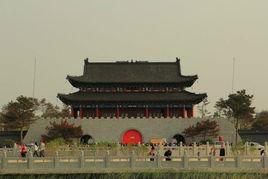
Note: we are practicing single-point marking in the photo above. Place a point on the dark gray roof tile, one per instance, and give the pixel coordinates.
(93, 97)
(132, 72)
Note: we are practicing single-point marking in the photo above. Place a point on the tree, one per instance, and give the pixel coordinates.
(202, 129)
(63, 130)
(19, 114)
(1, 122)
(261, 122)
(203, 108)
(237, 106)
(65, 111)
(48, 110)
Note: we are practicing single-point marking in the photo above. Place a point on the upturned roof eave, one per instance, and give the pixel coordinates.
(74, 98)
(75, 80)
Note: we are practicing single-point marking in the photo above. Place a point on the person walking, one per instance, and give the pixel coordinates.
(42, 148)
(222, 152)
(35, 150)
(168, 154)
(198, 155)
(213, 150)
(23, 150)
(152, 153)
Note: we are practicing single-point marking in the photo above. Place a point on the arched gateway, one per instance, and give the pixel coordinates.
(179, 138)
(86, 139)
(132, 136)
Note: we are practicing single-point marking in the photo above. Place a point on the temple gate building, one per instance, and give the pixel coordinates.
(131, 103)
(132, 89)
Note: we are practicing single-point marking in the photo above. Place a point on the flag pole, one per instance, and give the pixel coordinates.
(233, 77)
(34, 78)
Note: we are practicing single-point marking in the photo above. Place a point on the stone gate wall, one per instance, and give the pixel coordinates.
(112, 129)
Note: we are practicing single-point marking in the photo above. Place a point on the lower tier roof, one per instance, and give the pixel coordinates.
(84, 98)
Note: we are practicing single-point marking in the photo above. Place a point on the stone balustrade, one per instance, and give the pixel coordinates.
(131, 162)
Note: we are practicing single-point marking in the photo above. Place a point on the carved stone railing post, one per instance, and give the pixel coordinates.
(30, 160)
(56, 159)
(181, 149)
(211, 161)
(185, 160)
(227, 148)
(158, 160)
(238, 161)
(4, 160)
(246, 148)
(266, 148)
(82, 159)
(132, 160)
(107, 159)
(207, 149)
(194, 149)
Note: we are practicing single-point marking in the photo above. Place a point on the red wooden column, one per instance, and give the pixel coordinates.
(97, 112)
(146, 112)
(75, 111)
(183, 112)
(190, 112)
(117, 112)
(168, 112)
(72, 112)
(81, 113)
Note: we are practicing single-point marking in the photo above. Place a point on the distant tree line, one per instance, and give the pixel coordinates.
(19, 114)
(237, 108)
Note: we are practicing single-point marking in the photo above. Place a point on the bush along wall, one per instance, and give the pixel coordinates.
(143, 175)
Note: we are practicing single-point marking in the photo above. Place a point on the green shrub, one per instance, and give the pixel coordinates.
(158, 174)
(8, 142)
(252, 149)
(239, 148)
(140, 150)
(205, 141)
(64, 130)
(55, 144)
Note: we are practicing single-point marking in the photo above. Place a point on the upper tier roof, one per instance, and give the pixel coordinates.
(132, 72)
(81, 97)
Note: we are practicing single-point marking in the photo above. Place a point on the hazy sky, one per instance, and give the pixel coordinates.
(205, 34)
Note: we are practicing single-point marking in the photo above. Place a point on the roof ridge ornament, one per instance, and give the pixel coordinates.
(86, 60)
(178, 61)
